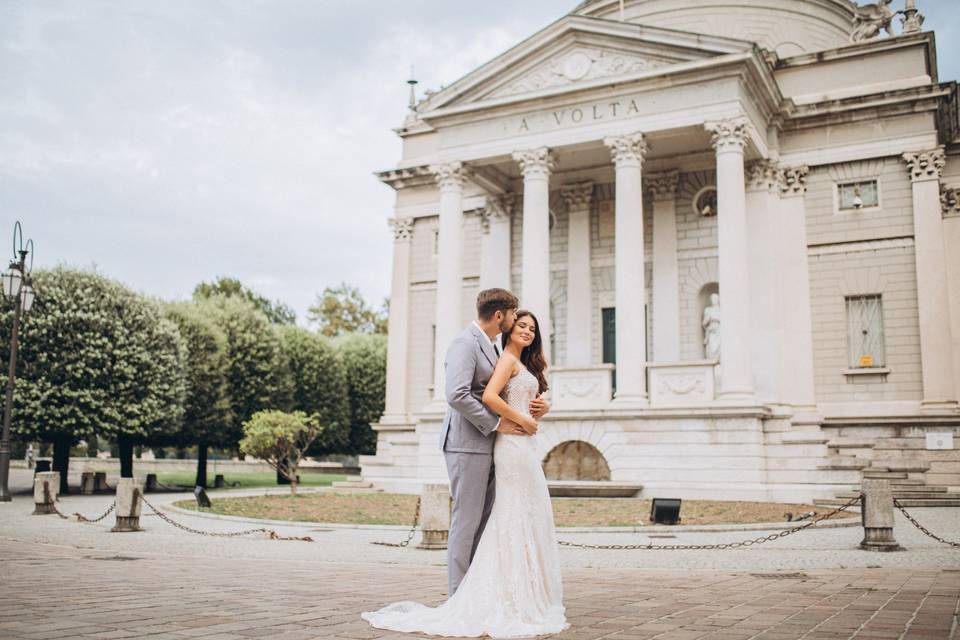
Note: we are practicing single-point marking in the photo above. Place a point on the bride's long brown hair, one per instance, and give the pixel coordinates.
(531, 356)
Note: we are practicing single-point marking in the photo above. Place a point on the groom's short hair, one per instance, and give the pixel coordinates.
(489, 301)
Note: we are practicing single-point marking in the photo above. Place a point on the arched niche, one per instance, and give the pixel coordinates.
(575, 460)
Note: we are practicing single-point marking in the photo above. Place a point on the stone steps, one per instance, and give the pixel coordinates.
(839, 464)
(359, 486)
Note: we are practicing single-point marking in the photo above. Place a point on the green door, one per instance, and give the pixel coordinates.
(609, 323)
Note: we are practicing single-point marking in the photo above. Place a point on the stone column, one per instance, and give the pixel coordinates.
(536, 165)
(495, 242)
(796, 318)
(450, 178)
(666, 271)
(629, 278)
(729, 138)
(932, 299)
(577, 198)
(395, 403)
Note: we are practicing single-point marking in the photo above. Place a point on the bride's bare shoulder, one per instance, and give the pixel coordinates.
(507, 359)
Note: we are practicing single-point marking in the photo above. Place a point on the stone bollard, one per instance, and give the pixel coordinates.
(128, 505)
(434, 516)
(876, 511)
(100, 482)
(151, 485)
(87, 485)
(219, 482)
(46, 487)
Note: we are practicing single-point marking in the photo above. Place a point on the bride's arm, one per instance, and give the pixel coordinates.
(506, 366)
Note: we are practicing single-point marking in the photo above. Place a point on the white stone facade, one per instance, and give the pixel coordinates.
(618, 170)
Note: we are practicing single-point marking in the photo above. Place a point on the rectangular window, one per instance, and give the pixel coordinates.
(609, 333)
(865, 331)
(862, 194)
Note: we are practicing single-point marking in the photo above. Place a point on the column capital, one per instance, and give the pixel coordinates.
(449, 175)
(663, 185)
(949, 201)
(793, 180)
(402, 228)
(926, 165)
(631, 148)
(499, 208)
(762, 175)
(729, 134)
(577, 196)
(535, 162)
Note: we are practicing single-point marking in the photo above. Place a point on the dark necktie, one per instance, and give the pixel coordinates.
(496, 349)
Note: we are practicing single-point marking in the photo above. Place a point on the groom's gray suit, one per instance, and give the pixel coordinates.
(467, 439)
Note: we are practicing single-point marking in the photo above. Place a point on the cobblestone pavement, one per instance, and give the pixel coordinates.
(58, 592)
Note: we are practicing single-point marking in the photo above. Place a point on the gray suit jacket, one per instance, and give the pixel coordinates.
(468, 426)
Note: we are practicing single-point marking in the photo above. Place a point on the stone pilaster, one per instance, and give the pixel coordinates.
(628, 152)
(578, 198)
(395, 404)
(495, 243)
(666, 270)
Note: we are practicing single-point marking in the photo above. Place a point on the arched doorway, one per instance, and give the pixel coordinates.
(575, 460)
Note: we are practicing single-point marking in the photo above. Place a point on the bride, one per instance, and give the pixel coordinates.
(513, 587)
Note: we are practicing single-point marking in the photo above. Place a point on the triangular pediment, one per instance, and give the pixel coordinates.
(578, 51)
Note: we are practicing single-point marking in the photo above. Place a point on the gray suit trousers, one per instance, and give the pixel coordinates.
(472, 487)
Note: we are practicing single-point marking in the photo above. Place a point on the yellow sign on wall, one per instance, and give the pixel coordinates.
(866, 361)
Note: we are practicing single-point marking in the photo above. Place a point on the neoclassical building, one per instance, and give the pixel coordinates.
(734, 221)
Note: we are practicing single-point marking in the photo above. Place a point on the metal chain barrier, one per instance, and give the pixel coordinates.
(410, 534)
(80, 517)
(922, 528)
(273, 535)
(710, 547)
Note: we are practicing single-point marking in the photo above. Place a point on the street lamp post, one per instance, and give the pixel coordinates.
(18, 286)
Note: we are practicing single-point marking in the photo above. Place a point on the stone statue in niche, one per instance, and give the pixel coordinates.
(871, 19)
(711, 329)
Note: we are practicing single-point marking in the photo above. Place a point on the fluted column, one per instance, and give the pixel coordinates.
(450, 178)
(629, 280)
(577, 198)
(536, 165)
(395, 403)
(666, 270)
(729, 138)
(797, 320)
(936, 349)
(495, 242)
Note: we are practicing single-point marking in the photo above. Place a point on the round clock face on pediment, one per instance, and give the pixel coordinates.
(576, 65)
(705, 201)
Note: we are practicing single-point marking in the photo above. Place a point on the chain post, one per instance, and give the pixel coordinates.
(410, 534)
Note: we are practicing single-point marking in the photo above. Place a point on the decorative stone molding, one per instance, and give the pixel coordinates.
(728, 135)
(535, 162)
(498, 208)
(663, 185)
(408, 177)
(762, 175)
(793, 180)
(587, 387)
(950, 201)
(628, 148)
(678, 384)
(577, 196)
(402, 228)
(926, 165)
(449, 175)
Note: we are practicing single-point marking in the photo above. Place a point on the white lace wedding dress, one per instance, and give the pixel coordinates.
(513, 587)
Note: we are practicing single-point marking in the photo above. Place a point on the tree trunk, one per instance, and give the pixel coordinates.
(201, 465)
(61, 460)
(293, 486)
(126, 456)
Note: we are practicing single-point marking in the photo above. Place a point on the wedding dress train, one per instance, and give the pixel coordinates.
(513, 587)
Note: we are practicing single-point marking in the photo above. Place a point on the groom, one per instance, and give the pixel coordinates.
(468, 427)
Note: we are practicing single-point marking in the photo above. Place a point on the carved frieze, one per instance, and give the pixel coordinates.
(793, 180)
(728, 135)
(628, 148)
(926, 165)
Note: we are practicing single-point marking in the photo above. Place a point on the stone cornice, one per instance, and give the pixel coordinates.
(627, 149)
(577, 196)
(402, 228)
(926, 165)
(793, 180)
(663, 185)
(762, 175)
(449, 175)
(535, 162)
(407, 177)
(729, 134)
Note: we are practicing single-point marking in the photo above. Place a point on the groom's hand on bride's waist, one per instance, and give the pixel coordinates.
(510, 428)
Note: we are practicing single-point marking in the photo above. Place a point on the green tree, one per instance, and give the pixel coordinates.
(255, 363)
(207, 409)
(277, 312)
(318, 386)
(364, 361)
(281, 439)
(95, 357)
(342, 310)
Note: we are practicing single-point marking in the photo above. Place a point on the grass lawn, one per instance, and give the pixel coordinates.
(391, 508)
(247, 480)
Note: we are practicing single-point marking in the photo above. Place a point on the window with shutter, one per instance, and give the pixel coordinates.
(865, 331)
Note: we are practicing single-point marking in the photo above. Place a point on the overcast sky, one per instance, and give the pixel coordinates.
(171, 142)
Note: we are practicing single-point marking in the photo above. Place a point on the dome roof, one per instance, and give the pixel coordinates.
(789, 27)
